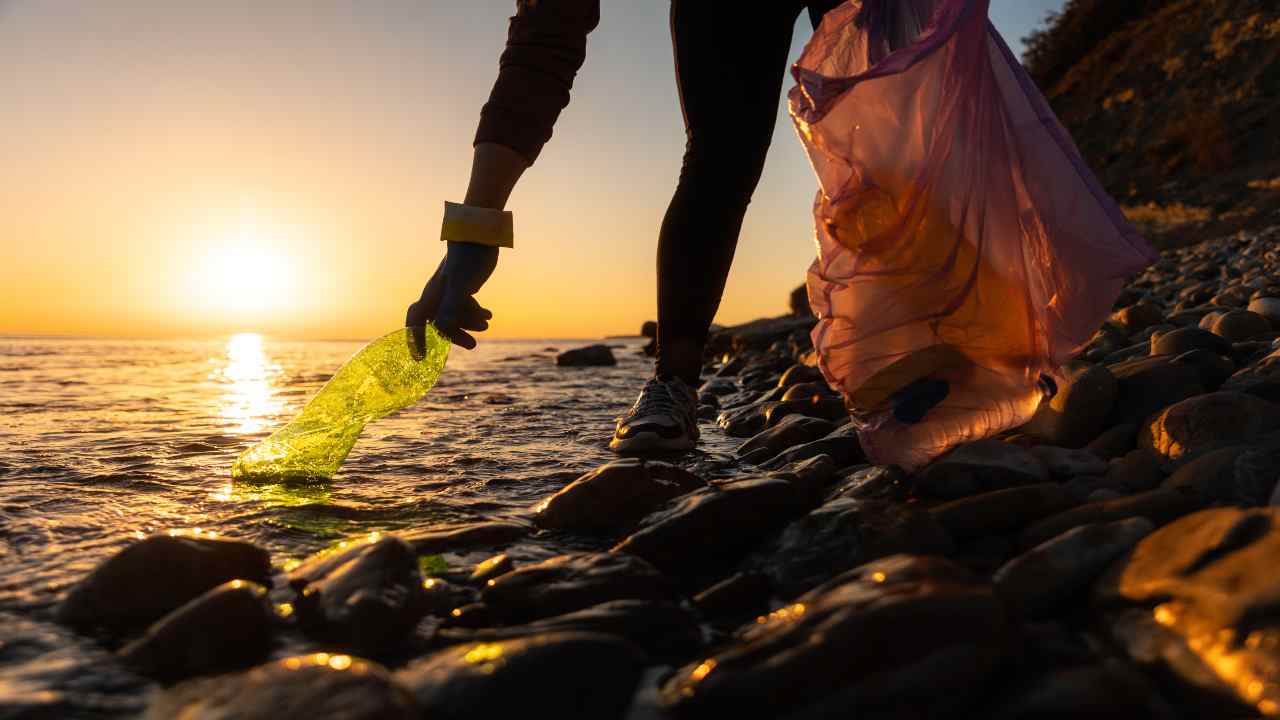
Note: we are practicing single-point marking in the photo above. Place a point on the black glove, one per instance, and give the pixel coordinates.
(448, 300)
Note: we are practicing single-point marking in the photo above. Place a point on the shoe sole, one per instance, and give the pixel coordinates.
(647, 441)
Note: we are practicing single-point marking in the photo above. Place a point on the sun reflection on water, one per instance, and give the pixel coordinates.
(250, 401)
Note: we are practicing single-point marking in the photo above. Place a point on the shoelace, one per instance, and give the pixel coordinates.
(655, 399)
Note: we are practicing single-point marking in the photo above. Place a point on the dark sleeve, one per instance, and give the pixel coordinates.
(546, 44)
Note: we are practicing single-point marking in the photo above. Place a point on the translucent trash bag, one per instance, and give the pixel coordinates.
(961, 238)
(384, 376)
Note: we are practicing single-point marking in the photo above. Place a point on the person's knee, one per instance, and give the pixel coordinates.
(723, 172)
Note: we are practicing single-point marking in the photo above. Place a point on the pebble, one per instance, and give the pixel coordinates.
(1078, 413)
(1207, 422)
(1001, 511)
(1206, 587)
(368, 603)
(563, 675)
(1064, 463)
(228, 627)
(980, 466)
(126, 590)
(455, 537)
(1052, 574)
(878, 633)
(712, 525)
(663, 630)
(1160, 506)
(568, 583)
(791, 430)
(1149, 385)
(615, 496)
(589, 356)
(842, 534)
(319, 685)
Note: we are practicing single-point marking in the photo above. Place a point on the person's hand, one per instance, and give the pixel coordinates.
(448, 300)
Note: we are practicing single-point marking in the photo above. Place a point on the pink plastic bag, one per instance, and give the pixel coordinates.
(960, 235)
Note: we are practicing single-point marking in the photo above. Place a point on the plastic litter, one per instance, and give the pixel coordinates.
(384, 376)
(961, 238)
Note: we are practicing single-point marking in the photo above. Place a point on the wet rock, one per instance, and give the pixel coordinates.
(1237, 475)
(1207, 589)
(1138, 317)
(810, 391)
(1150, 385)
(810, 476)
(747, 420)
(491, 568)
(713, 524)
(319, 685)
(158, 574)
(1115, 442)
(457, 537)
(1240, 325)
(718, 386)
(1160, 506)
(980, 466)
(738, 596)
(1200, 424)
(441, 597)
(1136, 471)
(568, 583)
(1260, 379)
(615, 496)
(1052, 574)
(589, 356)
(799, 375)
(1214, 369)
(1267, 307)
(825, 408)
(879, 482)
(841, 445)
(1079, 411)
(792, 430)
(798, 301)
(661, 629)
(226, 628)
(1001, 511)
(369, 602)
(871, 637)
(760, 334)
(1064, 464)
(1111, 689)
(557, 675)
(1184, 340)
(843, 534)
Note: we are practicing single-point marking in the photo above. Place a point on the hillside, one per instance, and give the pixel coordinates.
(1176, 106)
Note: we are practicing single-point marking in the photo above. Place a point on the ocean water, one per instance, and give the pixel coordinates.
(105, 441)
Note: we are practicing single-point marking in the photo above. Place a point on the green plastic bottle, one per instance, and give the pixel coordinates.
(386, 375)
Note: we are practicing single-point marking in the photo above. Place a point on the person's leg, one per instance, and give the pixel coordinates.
(730, 63)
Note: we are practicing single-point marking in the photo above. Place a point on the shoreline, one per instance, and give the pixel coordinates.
(1111, 556)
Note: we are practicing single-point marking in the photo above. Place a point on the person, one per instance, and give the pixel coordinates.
(730, 63)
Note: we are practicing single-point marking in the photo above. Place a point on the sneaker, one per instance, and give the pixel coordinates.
(664, 417)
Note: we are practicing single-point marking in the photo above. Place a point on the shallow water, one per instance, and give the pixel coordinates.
(105, 441)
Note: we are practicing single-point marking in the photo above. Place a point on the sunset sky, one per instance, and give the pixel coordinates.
(184, 167)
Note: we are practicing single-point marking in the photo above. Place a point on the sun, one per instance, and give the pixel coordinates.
(245, 271)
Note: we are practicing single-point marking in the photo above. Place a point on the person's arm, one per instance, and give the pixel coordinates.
(546, 45)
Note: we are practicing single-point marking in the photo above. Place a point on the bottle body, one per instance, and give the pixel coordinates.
(384, 376)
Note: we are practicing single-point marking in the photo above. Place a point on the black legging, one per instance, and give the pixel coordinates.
(730, 63)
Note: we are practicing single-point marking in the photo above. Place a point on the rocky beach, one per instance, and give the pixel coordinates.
(1112, 558)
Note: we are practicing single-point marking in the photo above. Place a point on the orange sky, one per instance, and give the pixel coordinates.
(153, 149)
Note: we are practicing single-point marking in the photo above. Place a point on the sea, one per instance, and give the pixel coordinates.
(105, 441)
